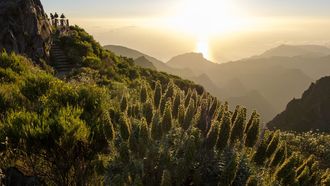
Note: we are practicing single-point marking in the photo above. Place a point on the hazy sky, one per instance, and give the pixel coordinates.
(125, 8)
(221, 29)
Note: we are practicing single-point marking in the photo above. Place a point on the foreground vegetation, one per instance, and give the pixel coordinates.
(111, 122)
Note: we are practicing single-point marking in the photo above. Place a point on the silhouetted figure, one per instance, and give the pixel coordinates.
(55, 15)
(59, 21)
(56, 19)
(62, 20)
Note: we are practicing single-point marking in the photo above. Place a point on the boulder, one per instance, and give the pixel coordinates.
(15, 177)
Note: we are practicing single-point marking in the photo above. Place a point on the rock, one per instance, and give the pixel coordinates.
(2, 178)
(25, 28)
(16, 177)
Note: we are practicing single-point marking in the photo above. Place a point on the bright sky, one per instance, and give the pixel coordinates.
(220, 29)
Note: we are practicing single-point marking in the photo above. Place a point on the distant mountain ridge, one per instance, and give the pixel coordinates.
(311, 112)
(297, 50)
(161, 66)
(193, 61)
(275, 83)
(144, 62)
(265, 83)
(131, 53)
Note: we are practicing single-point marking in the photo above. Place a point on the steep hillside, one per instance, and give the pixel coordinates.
(311, 112)
(24, 28)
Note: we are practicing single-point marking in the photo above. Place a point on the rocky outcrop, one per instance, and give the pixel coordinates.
(311, 112)
(13, 176)
(25, 28)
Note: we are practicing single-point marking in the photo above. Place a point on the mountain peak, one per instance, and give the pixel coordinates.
(190, 58)
(193, 61)
(193, 55)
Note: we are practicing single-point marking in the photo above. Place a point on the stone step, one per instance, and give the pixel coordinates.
(58, 53)
(60, 58)
(55, 49)
(61, 61)
(55, 46)
(63, 65)
(63, 69)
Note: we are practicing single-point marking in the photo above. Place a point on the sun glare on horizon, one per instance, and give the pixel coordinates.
(204, 19)
(203, 47)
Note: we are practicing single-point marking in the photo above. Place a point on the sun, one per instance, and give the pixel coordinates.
(202, 46)
(205, 18)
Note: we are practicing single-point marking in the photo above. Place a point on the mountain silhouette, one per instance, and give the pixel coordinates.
(275, 77)
(276, 81)
(160, 66)
(310, 112)
(192, 61)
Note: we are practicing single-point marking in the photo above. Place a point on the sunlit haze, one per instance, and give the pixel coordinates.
(222, 30)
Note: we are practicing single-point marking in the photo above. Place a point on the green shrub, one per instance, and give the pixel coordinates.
(92, 62)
